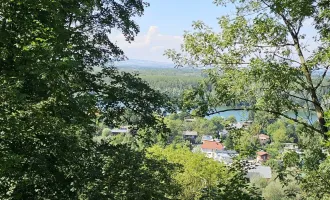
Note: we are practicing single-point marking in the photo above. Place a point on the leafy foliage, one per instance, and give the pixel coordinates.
(118, 172)
(234, 187)
(53, 97)
(259, 59)
(198, 173)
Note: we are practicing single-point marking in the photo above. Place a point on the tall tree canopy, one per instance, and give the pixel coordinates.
(55, 83)
(262, 59)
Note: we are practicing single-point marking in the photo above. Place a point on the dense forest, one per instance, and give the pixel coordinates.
(73, 126)
(170, 81)
(174, 81)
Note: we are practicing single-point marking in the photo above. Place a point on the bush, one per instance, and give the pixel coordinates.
(106, 132)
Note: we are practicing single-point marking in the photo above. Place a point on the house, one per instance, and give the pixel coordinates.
(225, 156)
(260, 171)
(122, 129)
(291, 147)
(207, 138)
(190, 135)
(240, 125)
(263, 139)
(237, 125)
(262, 156)
(210, 148)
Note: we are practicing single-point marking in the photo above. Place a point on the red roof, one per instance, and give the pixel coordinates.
(261, 153)
(212, 145)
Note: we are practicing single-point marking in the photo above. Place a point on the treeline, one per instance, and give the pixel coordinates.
(174, 81)
(171, 82)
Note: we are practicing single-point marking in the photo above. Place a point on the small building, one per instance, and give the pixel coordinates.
(207, 138)
(262, 156)
(210, 148)
(240, 125)
(263, 139)
(225, 156)
(260, 171)
(237, 125)
(291, 147)
(190, 135)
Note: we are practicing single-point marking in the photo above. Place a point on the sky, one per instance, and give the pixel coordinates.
(163, 24)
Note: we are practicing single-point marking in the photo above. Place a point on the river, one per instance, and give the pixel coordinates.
(243, 115)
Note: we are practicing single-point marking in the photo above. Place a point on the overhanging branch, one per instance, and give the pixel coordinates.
(297, 97)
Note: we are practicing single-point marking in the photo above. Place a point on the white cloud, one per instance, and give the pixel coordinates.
(148, 46)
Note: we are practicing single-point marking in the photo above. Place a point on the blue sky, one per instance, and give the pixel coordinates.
(163, 24)
(172, 17)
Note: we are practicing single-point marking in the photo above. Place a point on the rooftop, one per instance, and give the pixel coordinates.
(212, 145)
(225, 151)
(262, 171)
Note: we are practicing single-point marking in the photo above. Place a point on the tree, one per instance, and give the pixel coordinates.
(137, 177)
(245, 143)
(316, 183)
(205, 127)
(260, 58)
(176, 126)
(236, 186)
(259, 182)
(219, 122)
(263, 118)
(274, 191)
(228, 142)
(278, 132)
(231, 119)
(106, 132)
(197, 172)
(56, 83)
(282, 131)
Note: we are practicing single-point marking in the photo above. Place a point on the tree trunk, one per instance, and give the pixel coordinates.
(312, 90)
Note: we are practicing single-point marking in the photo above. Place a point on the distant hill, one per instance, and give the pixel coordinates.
(134, 63)
(145, 64)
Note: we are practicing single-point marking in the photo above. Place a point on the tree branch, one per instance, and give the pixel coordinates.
(270, 46)
(288, 59)
(322, 78)
(297, 97)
